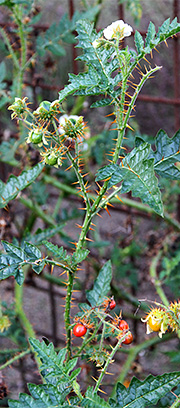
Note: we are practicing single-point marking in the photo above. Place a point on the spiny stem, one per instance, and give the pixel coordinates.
(110, 357)
(23, 39)
(67, 313)
(15, 358)
(80, 179)
(136, 93)
(11, 51)
(176, 403)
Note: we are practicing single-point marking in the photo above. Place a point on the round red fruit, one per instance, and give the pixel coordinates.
(129, 339)
(79, 330)
(123, 325)
(112, 304)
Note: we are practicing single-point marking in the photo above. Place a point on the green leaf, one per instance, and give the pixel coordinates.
(9, 190)
(15, 257)
(166, 155)
(136, 172)
(101, 286)
(151, 32)
(139, 42)
(43, 396)
(59, 252)
(97, 80)
(41, 235)
(140, 394)
(53, 37)
(54, 367)
(153, 39)
(102, 102)
(92, 400)
(79, 256)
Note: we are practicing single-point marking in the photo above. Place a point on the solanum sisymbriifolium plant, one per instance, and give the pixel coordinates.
(60, 138)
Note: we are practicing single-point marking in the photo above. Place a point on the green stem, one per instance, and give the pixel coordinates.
(15, 358)
(155, 280)
(11, 51)
(136, 93)
(176, 403)
(110, 357)
(67, 313)
(23, 40)
(74, 163)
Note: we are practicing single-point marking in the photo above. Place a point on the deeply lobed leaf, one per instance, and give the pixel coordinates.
(136, 172)
(141, 394)
(9, 190)
(167, 154)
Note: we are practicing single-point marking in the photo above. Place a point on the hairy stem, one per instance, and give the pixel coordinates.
(15, 358)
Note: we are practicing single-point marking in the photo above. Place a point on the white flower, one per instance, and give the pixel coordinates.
(118, 29)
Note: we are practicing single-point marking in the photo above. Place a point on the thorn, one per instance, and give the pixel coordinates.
(74, 243)
(110, 114)
(107, 211)
(93, 224)
(79, 226)
(83, 175)
(92, 229)
(119, 198)
(99, 215)
(82, 208)
(111, 205)
(52, 267)
(88, 239)
(63, 273)
(156, 49)
(122, 147)
(129, 127)
(99, 389)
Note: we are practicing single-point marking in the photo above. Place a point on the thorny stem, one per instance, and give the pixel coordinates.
(18, 15)
(110, 357)
(15, 358)
(67, 313)
(11, 51)
(176, 403)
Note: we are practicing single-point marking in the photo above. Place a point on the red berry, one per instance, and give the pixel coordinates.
(79, 330)
(129, 339)
(112, 304)
(123, 325)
